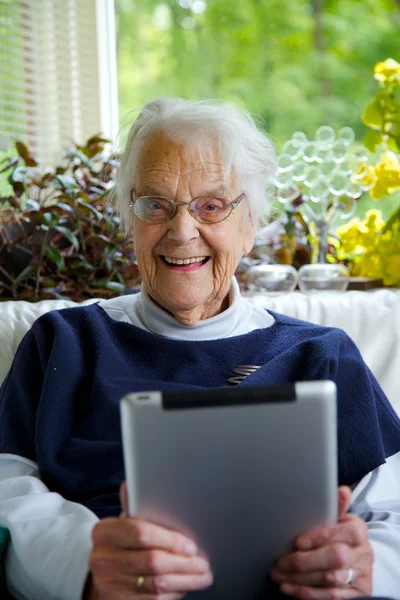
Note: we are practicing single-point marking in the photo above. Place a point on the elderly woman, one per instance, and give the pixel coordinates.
(192, 190)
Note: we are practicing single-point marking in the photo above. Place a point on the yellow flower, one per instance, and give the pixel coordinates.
(387, 73)
(349, 236)
(391, 270)
(376, 254)
(368, 265)
(374, 221)
(387, 173)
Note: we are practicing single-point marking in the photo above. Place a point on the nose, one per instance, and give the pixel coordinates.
(183, 228)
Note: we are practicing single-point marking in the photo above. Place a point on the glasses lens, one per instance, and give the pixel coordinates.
(153, 209)
(210, 210)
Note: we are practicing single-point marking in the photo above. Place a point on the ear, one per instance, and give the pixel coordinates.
(249, 235)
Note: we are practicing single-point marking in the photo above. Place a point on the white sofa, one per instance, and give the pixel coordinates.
(372, 319)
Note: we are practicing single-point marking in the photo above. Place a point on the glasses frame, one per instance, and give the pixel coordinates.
(233, 204)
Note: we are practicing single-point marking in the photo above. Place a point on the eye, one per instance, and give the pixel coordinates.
(155, 206)
(210, 205)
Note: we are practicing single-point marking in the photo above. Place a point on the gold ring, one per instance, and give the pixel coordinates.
(139, 582)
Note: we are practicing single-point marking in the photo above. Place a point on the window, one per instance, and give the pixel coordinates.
(57, 73)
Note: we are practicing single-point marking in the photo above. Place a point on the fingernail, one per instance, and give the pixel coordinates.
(190, 548)
(208, 579)
(287, 588)
(204, 567)
(304, 544)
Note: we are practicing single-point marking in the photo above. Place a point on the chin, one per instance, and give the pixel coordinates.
(184, 297)
(184, 304)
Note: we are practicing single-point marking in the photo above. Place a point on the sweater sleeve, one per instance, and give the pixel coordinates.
(50, 543)
(368, 426)
(50, 537)
(376, 499)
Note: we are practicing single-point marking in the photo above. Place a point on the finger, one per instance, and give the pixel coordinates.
(164, 584)
(327, 558)
(153, 562)
(159, 561)
(127, 595)
(352, 531)
(335, 578)
(163, 597)
(136, 534)
(123, 494)
(309, 593)
(344, 500)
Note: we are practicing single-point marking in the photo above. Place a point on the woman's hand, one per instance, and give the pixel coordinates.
(327, 557)
(134, 559)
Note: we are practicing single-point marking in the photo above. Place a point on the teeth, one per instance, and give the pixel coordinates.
(184, 261)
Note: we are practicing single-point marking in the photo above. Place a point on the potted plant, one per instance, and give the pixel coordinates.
(59, 234)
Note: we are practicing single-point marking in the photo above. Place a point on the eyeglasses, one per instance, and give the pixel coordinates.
(158, 209)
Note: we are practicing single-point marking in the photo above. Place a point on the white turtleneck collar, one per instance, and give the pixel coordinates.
(239, 318)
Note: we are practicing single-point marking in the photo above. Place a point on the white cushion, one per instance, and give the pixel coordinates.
(371, 319)
(16, 318)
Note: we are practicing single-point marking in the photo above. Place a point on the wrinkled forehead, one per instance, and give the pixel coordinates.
(165, 155)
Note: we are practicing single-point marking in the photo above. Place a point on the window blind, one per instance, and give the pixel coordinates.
(52, 76)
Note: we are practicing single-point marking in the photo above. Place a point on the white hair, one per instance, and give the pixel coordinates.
(245, 149)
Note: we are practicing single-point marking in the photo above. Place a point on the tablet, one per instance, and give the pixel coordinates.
(242, 471)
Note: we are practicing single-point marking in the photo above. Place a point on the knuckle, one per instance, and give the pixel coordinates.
(96, 562)
(339, 555)
(153, 561)
(97, 533)
(138, 532)
(297, 561)
(334, 594)
(323, 537)
(358, 533)
(304, 593)
(160, 585)
(332, 578)
(100, 530)
(367, 556)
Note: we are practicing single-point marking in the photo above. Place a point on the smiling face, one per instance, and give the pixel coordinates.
(198, 289)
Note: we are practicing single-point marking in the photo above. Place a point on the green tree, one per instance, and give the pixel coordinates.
(296, 64)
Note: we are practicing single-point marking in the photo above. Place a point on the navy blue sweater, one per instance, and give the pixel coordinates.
(59, 404)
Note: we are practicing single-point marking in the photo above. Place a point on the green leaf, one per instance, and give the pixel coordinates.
(100, 238)
(394, 217)
(392, 128)
(89, 207)
(372, 139)
(69, 235)
(84, 159)
(394, 144)
(49, 219)
(10, 162)
(19, 174)
(66, 183)
(31, 204)
(372, 115)
(25, 154)
(29, 270)
(55, 256)
(97, 139)
(65, 207)
(114, 286)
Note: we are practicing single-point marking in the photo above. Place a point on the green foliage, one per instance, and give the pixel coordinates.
(296, 64)
(59, 237)
(382, 115)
